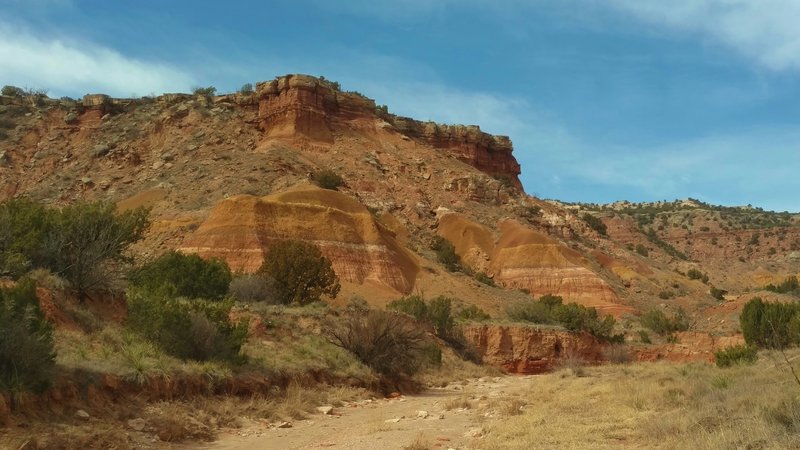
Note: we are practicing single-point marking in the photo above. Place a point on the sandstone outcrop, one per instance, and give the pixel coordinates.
(531, 350)
(242, 228)
(525, 259)
(689, 346)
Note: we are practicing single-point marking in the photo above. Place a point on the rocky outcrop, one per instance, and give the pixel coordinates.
(488, 153)
(689, 346)
(525, 259)
(241, 230)
(530, 350)
(304, 106)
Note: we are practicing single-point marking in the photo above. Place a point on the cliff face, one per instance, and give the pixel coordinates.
(527, 350)
(242, 228)
(309, 107)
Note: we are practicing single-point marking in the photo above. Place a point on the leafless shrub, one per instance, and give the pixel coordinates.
(388, 342)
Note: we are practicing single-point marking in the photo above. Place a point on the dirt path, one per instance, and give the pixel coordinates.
(449, 417)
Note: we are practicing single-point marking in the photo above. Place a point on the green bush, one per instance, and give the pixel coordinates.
(196, 329)
(438, 314)
(184, 276)
(84, 243)
(206, 92)
(12, 91)
(695, 274)
(446, 254)
(770, 325)
(485, 279)
(644, 337)
(24, 225)
(246, 89)
(472, 313)
(27, 356)
(740, 354)
(550, 309)
(530, 311)
(642, 250)
(302, 275)
(662, 325)
(595, 223)
(327, 179)
(787, 286)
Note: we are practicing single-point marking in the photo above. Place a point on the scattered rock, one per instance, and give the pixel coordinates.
(3, 159)
(325, 409)
(81, 414)
(167, 156)
(395, 420)
(284, 425)
(100, 150)
(87, 181)
(70, 118)
(422, 414)
(394, 395)
(136, 424)
(474, 433)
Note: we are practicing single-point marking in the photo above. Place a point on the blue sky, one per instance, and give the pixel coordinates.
(604, 99)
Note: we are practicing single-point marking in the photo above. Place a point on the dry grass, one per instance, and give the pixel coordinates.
(461, 402)
(658, 405)
(454, 368)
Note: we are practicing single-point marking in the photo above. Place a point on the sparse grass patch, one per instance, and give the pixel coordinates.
(659, 405)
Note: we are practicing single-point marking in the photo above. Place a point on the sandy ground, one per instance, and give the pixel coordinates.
(436, 418)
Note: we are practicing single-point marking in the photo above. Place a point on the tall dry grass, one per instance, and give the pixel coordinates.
(659, 405)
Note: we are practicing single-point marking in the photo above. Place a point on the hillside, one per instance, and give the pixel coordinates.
(226, 175)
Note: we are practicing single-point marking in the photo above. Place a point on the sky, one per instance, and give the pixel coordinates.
(605, 100)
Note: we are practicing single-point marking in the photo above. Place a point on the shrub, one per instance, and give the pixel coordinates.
(787, 286)
(550, 309)
(770, 325)
(718, 294)
(642, 250)
(440, 316)
(472, 313)
(740, 354)
(662, 325)
(644, 338)
(327, 179)
(485, 279)
(388, 342)
(665, 295)
(253, 288)
(196, 329)
(302, 275)
(184, 276)
(695, 274)
(27, 357)
(12, 91)
(413, 305)
(446, 254)
(24, 224)
(595, 223)
(617, 354)
(86, 243)
(206, 92)
(246, 89)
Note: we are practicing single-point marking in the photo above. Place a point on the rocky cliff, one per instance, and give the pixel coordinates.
(301, 105)
(531, 350)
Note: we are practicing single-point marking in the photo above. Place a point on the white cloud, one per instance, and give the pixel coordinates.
(764, 30)
(66, 67)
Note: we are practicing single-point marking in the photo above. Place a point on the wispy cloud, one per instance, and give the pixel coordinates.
(69, 67)
(766, 31)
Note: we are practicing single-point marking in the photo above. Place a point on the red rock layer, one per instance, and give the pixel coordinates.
(528, 350)
(241, 229)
